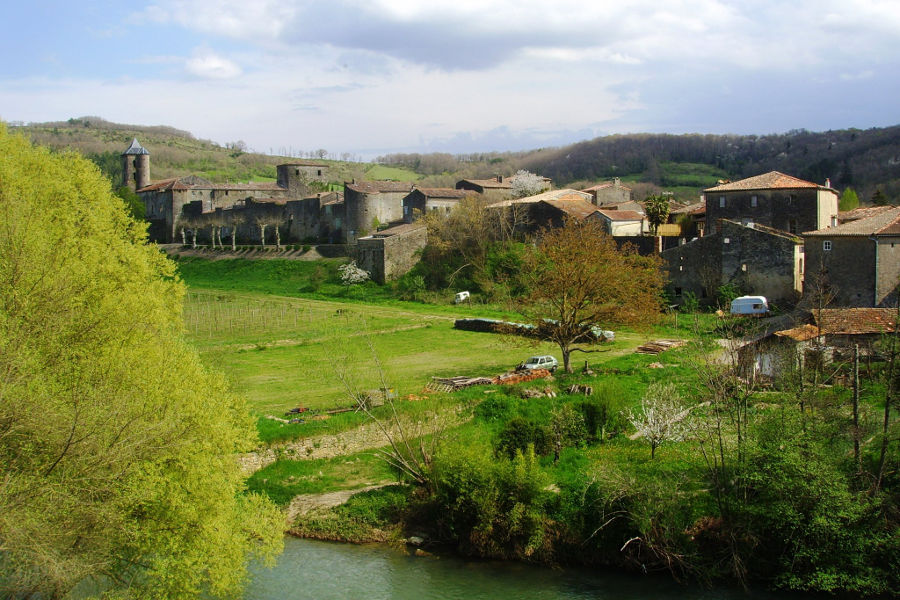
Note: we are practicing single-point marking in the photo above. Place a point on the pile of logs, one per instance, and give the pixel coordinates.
(657, 346)
(452, 384)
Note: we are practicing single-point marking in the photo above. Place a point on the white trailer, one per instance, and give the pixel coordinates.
(749, 305)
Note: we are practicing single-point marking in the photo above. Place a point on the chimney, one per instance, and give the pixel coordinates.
(616, 182)
(499, 178)
(828, 182)
(834, 222)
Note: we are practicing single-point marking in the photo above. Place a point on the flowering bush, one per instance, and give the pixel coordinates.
(351, 274)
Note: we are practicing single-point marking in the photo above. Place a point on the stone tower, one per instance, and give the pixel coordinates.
(136, 166)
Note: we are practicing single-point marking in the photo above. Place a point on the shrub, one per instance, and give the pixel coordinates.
(518, 434)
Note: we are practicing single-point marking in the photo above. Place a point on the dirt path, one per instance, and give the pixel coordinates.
(304, 503)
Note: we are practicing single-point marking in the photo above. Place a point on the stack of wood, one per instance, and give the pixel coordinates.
(521, 376)
(580, 389)
(657, 346)
(451, 384)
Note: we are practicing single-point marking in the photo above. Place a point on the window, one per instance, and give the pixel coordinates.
(406, 209)
(319, 173)
(678, 291)
(792, 226)
(744, 267)
(753, 202)
(801, 266)
(681, 267)
(726, 241)
(826, 245)
(721, 201)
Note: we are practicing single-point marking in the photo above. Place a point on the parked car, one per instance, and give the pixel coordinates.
(539, 362)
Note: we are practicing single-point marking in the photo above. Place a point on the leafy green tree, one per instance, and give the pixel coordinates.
(849, 199)
(116, 445)
(657, 209)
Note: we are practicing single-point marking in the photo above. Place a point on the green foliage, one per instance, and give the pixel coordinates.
(411, 287)
(518, 434)
(656, 208)
(849, 199)
(490, 507)
(118, 450)
(726, 293)
(690, 304)
(879, 198)
(133, 203)
(811, 530)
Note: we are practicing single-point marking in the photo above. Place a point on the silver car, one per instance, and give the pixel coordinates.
(540, 362)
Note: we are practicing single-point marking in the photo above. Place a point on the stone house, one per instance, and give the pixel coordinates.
(609, 192)
(859, 259)
(691, 219)
(390, 253)
(369, 205)
(495, 189)
(423, 200)
(774, 200)
(759, 260)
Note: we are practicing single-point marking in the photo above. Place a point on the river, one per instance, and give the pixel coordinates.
(323, 570)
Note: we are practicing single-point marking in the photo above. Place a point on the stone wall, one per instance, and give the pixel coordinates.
(758, 261)
(388, 257)
(848, 268)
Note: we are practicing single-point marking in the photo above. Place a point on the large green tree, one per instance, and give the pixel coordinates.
(656, 208)
(116, 445)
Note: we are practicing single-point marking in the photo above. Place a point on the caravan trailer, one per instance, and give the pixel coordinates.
(749, 305)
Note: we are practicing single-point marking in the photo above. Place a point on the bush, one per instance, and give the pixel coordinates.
(518, 434)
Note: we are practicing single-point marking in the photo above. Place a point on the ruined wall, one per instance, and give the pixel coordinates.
(387, 258)
(888, 275)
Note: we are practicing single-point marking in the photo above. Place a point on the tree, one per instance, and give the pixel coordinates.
(657, 209)
(879, 198)
(524, 184)
(352, 274)
(133, 203)
(579, 279)
(662, 416)
(849, 200)
(116, 444)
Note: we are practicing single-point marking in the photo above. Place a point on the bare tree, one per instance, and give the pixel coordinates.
(236, 220)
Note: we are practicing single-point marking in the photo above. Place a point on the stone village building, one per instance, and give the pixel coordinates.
(751, 238)
(858, 260)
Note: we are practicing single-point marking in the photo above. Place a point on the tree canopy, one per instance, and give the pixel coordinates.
(849, 199)
(116, 445)
(579, 279)
(657, 209)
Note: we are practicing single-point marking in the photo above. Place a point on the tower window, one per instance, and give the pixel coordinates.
(826, 245)
(753, 201)
(721, 201)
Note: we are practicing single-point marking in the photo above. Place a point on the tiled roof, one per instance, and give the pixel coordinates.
(164, 184)
(800, 334)
(861, 213)
(492, 183)
(605, 185)
(697, 208)
(551, 195)
(377, 187)
(621, 215)
(266, 186)
(772, 180)
(575, 207)
(886, 222)
(450, 193)
(855, 321)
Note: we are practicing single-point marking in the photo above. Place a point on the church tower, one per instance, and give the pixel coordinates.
(136, 166)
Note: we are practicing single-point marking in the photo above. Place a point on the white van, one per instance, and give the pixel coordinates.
(749, 305)
(461, 297)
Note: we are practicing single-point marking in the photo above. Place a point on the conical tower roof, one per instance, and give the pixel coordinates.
(136, 148)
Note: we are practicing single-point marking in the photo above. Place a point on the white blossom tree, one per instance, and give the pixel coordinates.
(352, 274)
(525, 183)
(662, 417)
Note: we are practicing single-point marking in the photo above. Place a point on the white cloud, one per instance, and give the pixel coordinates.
(209, 65)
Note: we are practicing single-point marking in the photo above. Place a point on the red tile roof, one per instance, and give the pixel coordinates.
(855, 321)
(772, 180)
(801, 333)
(490, 183)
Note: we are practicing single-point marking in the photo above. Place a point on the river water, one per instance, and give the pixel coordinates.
(323, 570)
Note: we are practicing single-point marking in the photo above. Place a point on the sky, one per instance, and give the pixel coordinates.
(380, 76)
